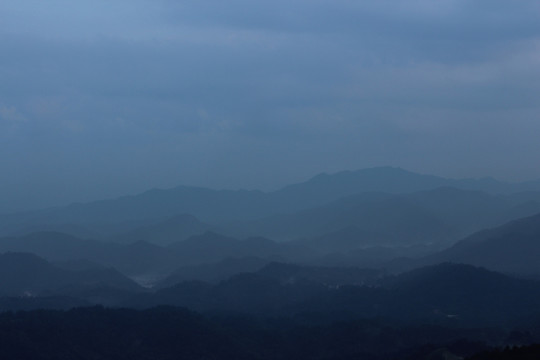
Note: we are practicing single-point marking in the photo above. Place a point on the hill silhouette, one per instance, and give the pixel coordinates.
(512, 248)
(108, 217)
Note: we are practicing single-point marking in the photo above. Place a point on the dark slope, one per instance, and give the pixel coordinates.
(456, 295)
(513, 247)
(450, 294)
(446, 293)
(166, 333)
(97, 333)
(471, 293)
(531, 352)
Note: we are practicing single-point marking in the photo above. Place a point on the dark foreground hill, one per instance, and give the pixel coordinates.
(451, 294)
(285, 311)
(165, 333)
(96, 333)
(531, 352)
(446, 294)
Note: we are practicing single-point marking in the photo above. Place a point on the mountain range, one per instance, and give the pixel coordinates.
(217, 207)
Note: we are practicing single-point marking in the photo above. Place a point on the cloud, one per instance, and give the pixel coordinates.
(224, 93)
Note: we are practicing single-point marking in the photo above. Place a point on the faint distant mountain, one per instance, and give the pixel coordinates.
(56, 246)
(23, 274)
(69, 229)
(513, 248)
(153, 204)
(174, 229)
(439, 215)
(222, 206)
(211, 247)
(374, 218)
(467, 210)
(324, 187)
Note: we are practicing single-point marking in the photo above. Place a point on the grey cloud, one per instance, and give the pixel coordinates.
(104, 98)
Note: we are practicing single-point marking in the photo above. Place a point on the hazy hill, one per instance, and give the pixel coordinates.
(467, 211)
(57, 246)
(211, 247)
(156, 204)
(435, 216)
(287, 273)
(173, 229)
(23, 274)
(221, 206)
(213, 272)
(327, 187)
(513, 247)
(145, 261)
(377, 218)
(135, 259)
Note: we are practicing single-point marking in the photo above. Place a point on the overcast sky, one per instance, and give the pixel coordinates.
(109, 97)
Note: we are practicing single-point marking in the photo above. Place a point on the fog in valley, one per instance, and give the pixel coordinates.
(281, 180)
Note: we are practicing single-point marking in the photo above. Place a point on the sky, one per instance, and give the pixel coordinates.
(104, 98)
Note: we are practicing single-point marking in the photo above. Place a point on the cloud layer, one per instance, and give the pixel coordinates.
(104, 98)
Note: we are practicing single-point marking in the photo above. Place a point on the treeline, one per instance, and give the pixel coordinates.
(176, 333)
